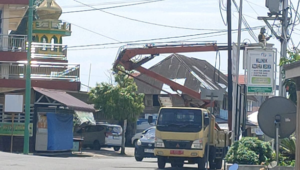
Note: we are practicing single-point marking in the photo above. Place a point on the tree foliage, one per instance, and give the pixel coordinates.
(120, 101)
(290, 84)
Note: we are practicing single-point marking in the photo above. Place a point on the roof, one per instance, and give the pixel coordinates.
(292, 65)
(194, 73)
(65, 99)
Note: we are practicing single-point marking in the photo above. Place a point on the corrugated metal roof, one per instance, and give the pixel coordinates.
(65, 99)
(196, 72)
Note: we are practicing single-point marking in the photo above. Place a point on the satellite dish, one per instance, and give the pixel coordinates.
(280, 109)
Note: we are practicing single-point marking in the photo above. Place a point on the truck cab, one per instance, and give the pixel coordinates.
(188, 134)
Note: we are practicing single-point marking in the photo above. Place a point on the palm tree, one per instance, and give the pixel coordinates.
(288, 147)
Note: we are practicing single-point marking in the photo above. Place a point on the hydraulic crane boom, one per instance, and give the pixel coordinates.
(125, 59)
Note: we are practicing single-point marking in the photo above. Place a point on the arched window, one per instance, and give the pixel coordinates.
(54, 41)
(44, 41)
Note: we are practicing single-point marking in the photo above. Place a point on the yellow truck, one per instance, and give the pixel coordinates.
(187, 134)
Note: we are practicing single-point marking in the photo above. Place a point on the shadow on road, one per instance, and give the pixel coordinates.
(104, 152)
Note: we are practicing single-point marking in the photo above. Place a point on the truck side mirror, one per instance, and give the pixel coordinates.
(206, 121)
(150, 119)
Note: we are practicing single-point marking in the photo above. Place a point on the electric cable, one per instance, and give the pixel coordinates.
(295, 18)
(87, 10)
(145, 22)
(104, 3)
(164, 38)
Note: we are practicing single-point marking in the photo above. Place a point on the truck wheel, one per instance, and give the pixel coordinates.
(116, 148)
(201, 163)
(139, 159)
(161, 162)
(218, 163)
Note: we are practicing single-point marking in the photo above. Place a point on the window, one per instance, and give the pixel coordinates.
(155, 100)
(249, 105)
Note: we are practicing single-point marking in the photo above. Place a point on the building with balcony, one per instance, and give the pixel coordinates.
(54, 80)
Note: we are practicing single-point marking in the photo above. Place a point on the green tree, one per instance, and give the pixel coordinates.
(119, 102)
(290, 84)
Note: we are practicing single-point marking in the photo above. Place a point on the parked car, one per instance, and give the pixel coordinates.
(101, 135)
(144, 147)
(137, 136)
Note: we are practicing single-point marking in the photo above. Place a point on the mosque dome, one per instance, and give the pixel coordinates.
(49, 9)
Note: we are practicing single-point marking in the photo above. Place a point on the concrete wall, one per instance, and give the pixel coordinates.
(258, 167)
(18, 144)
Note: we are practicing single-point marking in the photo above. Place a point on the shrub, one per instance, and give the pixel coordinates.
(249, 150)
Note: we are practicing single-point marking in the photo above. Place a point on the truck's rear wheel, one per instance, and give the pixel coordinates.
(201, 163)
(218, 163)
(161, 162)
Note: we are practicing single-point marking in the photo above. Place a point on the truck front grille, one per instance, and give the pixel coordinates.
(169, 144)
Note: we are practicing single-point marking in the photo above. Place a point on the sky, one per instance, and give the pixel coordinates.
(106, 28)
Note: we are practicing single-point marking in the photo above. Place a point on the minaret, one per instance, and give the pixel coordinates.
(48, 29)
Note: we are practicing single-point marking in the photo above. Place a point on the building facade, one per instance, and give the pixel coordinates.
(53, 79)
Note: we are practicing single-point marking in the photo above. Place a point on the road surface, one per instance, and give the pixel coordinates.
(86, 161)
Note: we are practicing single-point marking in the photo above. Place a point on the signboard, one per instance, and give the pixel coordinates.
(19, 128)
(261, 66)
(13, 103)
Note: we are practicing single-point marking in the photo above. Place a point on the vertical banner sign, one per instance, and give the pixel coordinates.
(235, 74)
(260, 72)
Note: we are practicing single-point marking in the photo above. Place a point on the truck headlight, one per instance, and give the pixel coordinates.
(139, 143)
(159, 143)
(197, 144)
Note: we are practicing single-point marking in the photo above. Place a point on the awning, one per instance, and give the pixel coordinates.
(65, 99)
(85, 118)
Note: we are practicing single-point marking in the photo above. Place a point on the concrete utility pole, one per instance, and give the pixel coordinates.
(284, 40)
(28, 79)
(229, 65)
(235, 113)
(274, 10)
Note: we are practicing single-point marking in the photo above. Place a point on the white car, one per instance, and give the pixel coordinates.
(138, 136)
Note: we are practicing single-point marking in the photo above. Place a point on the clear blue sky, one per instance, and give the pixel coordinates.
(188, 13)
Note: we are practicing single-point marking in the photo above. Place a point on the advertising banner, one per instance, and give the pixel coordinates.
(261, 68)
(19, 128)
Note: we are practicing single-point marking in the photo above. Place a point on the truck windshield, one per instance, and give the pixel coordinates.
(183, 120)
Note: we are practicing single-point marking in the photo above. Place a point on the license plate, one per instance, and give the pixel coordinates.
(149, 150)
(116, 137)
(176, 152)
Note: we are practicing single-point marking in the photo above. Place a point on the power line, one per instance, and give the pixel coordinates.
(252, 7)
(104, 3)
(296, 12)
(94, 32)
(101, 48)
(164, 38)
(87, 10)
(255, 4)
(145, 22)
(94, 9)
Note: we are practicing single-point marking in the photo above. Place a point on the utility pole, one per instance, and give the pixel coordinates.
(274, 7)
(229, 66)
(284, 44)
(28, 79)
(235, 112)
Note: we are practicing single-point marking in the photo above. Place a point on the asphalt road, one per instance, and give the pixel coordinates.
(85, 161)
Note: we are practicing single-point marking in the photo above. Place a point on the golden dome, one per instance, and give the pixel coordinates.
(49, 9)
